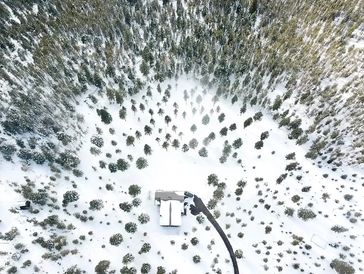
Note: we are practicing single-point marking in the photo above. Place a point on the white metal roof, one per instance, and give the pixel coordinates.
(170, 213)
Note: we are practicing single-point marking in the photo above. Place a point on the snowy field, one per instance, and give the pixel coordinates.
(259, 189)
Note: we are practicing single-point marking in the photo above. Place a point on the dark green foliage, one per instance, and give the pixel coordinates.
(68, 159)
(248, 122)
(125, 206)
(292, 166)
(258, 116)
(161, 270)
(289, 211)
(105, 116)
(259, 144)
(122, 164)
(131, 227)
(143, 218)
(147, 150)
(221, 117)
(128, 258)
(70, 197)
(145, 248)
(145, 268)
(203, 152)
(141, 163)
(339, 229)
(97, 141)
(264, 135)
(7, 151)
(205, 119)
(213, 180)
(194, 241)
(113, 167)
(122, 113)
(102, 266)
(39, 197)
(224, 131)
(134, 190)
(342, 267)
(237, 143)
(96, 204)
(116, 239)
(130, 140)
(196, 259)
(193, 143)
(306, 214)
(277, 103)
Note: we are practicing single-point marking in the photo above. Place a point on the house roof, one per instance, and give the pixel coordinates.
(170, 213)
(169, 195)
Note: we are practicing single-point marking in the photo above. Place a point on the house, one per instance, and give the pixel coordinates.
(171, 207)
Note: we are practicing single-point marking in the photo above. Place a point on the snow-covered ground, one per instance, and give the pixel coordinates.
(256, 223)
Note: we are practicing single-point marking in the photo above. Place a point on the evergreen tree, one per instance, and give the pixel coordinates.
(141, 163)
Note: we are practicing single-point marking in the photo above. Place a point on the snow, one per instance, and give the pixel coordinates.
(261, 204)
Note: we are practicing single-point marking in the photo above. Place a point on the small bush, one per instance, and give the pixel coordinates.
(96, 204)
(131, 227)
(306, 214)
(70, 196)
(134, 190)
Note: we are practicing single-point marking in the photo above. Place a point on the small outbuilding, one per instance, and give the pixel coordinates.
(171, 207)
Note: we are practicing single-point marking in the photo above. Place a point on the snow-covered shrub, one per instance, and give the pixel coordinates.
(116, 239)
(130, 140)
(136, 202)
(221, 117)
(143, 218)
(232, 127)
(339, 229)
(248, 122)
(259, 144)
(224, 131)
(185, 148)
(237, 143)
(193, 143)
(128, 258)
(134, 190)
(125, 206)
(342, 267)
(292, 166)
(218, 194)
(131, 227)
(141, 163)
(289, 211)
(102, 266)
(96, 204)
(213, 180)
(10, 235)
(68, 159)
(291, 156)
(264, 135)
(196, 259)
(7, 151)
(70, 197)
(128, 270)
(97, 141)
(306, 214)
(145, 268)
(194, 241)
(205, 119)
(122, 164)
(113, 167)
(73, 270)
(203, 152)
(193, 128)
(145, 248)
(238, 253)
(161, 270)
(175, 143)
(211, 204)
(105, 116)
(122, 113)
